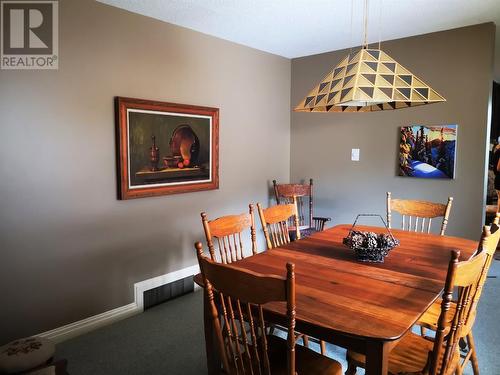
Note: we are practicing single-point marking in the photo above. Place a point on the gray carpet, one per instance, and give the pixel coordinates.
(168, 339)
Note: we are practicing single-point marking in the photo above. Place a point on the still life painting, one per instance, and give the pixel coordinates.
(166, 148)
(428, 151)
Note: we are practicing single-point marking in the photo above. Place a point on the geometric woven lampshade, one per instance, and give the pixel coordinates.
(368, 80)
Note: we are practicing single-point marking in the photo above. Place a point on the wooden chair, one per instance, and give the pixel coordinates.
(284, 194)
(275, 223)
(413, 211)
(227, 233)
(488, 244)
(243, 345)
(415, 354)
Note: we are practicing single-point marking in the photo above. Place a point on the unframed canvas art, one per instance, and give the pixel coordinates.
(428, 151)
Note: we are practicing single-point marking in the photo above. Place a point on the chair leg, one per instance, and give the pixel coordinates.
(460, 369)
(473, 356)
(322, 345)
(351, 369)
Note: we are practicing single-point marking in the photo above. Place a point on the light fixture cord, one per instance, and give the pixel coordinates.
(350, 36)
(365, 43)
(380, 24)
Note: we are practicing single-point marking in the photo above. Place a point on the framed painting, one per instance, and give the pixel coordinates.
(428, 151)
(165, 148)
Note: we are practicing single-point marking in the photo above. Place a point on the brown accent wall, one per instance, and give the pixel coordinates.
(458, 64)
(68, 248)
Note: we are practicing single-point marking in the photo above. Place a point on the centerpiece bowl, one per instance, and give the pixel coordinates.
(370, 246)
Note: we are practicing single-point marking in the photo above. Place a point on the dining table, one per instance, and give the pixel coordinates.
(360, 306)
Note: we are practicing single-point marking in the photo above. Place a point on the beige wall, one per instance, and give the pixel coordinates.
(69, 248)
(458, 64)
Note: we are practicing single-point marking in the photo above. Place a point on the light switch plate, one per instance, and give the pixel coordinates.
(355, 154)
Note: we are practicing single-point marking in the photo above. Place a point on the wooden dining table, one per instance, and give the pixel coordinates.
(365, 307)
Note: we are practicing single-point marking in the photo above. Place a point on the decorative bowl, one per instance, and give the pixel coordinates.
(370, 246)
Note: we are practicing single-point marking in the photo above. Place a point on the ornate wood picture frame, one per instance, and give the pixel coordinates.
(165, 148)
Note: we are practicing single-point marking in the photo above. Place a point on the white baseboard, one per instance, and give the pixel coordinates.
(80, 327)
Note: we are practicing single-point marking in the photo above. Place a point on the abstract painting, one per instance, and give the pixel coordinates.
(428, 151)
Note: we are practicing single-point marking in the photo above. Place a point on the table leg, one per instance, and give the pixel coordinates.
(213, 360)
(377, 355)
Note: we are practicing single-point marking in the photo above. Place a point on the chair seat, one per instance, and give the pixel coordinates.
(25, 354)
(307, 362)
(305, 231)
(410, 356)
(431, 316)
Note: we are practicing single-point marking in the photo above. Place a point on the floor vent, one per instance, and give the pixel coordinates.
(163, 293)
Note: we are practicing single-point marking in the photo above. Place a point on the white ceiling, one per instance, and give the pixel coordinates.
(294, 28)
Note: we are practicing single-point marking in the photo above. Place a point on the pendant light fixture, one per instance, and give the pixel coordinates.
(368, 80)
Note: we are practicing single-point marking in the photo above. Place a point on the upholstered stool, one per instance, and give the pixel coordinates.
(25, 354)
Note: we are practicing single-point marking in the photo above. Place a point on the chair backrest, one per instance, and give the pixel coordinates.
(417, 215)
(226, 232)
(236, 297)
(303, 193)
(464, 276)
(275, 221)
(488, 245)
(490, 238)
